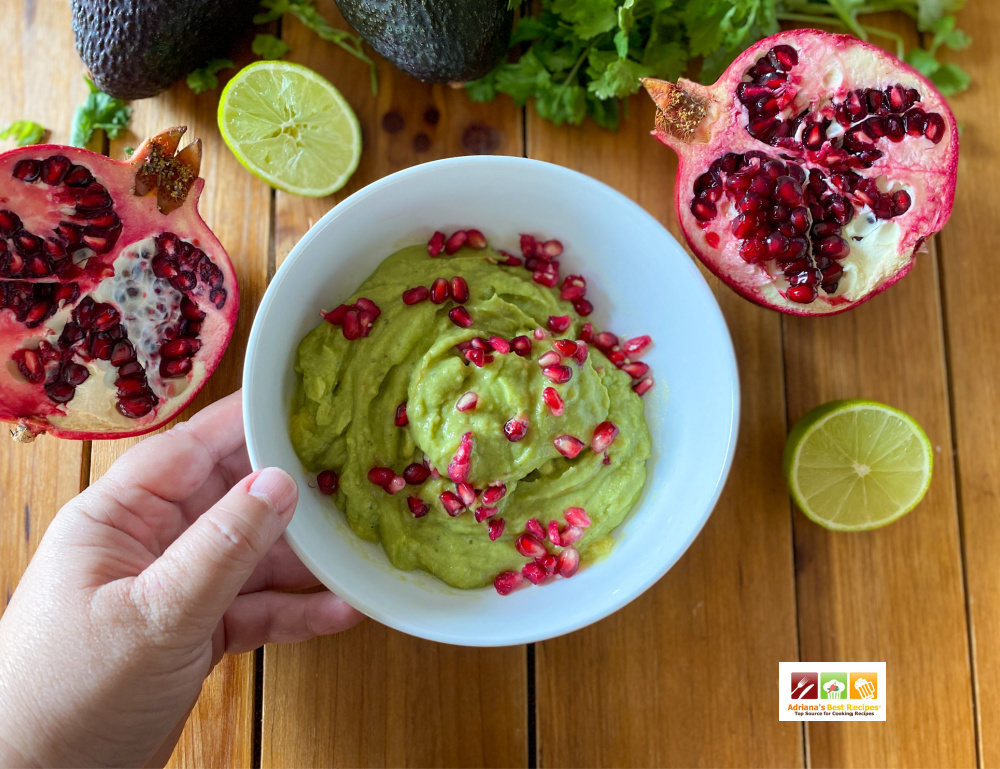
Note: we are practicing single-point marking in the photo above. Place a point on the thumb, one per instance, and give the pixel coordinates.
(196, 579)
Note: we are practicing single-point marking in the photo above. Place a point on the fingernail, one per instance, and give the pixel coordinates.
(275, 487)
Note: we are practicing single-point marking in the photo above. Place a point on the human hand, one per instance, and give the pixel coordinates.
(139, 586)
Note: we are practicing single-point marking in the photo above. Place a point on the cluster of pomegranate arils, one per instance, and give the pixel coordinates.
(90, 223)
(540, 259)
(356, 320)
(786, 214)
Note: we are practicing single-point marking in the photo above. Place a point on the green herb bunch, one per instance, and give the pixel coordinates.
(582, 57)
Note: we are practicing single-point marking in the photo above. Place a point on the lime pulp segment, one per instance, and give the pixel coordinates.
(857, 465)
(290, 127)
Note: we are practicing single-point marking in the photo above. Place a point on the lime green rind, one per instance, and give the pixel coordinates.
(825, 455)
(323, 148)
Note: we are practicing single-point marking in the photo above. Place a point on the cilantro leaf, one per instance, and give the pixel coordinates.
(268, 46)
(205, 78)
(588, 18)
(483, 89)
(99, 112)
(23, 132)
(950, 79)
(613, 77)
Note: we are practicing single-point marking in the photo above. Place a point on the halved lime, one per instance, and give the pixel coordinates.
(855, 465)
(290, 127)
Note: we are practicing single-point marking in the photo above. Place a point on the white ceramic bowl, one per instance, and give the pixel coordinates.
(639, 279)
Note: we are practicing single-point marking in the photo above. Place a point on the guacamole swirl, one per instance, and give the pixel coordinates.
(348, 392)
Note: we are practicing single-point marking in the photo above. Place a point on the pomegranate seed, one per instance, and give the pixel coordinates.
(548, 562)
(510, 260)
(327, 482)
(618, 357)
(515, 429)
(569, 562)
(415, 474)
(435, 244)
(582, 307)
(507, 581)
(466, 493)
(568, 446)
(401, 419)
(30, 366)
(577, 516)
(416, 295)
(367, 306)
(570, 534)
(527, 245)
(554, 401)
(604, 435)
(934, 127)
(477, 357)
(460, 317)
(395, 484)
(467, 402)
(494, 494)
(547, 279)
(558, 374)
(534, 528)
(553, 532)
(500, 345)
(417, 506)
(558, 323)
(534, 573)
(636, 370)
(549, 358)
(521, 345)
(581, 353)
(336, 315)
(540, 334)
(458, 471)
(456, 241)
(636, 346)
(644, 386)
(587, 332)
(496, 527)
(483, 513)
(605, 341)
(352, 325)
(476, 240)
(565, 347)
(552, 249)
(529, 546)
(459, 289)
(452, 504)
(440, 289)
(574, 287)
(381, 476)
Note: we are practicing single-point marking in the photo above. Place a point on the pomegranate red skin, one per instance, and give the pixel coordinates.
(694, 159)
(141, 220)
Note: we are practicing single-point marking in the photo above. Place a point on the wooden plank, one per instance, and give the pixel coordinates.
(965, 248)
(36, 479)
(372, 696)
(896, 594)
(220, 731)
(684, 676)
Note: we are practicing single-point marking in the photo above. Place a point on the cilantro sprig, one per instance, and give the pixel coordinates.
(99, 112)
(583, 57)
(23, 132)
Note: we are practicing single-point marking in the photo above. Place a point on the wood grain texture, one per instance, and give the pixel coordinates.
(372, 696)
(35, 479)
(237, 207)
(896, 594)
(967, 247)
(650, 681)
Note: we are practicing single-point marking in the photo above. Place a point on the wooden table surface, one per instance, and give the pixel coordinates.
(685, 675)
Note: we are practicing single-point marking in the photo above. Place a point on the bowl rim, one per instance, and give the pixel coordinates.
(343, 208)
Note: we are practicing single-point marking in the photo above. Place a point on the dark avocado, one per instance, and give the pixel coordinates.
(138, 48)
(439, 41)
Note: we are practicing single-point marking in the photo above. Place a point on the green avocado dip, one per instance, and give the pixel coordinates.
(346, 417)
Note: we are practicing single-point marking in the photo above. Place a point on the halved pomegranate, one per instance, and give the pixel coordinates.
(116, 300)
(812, 171)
